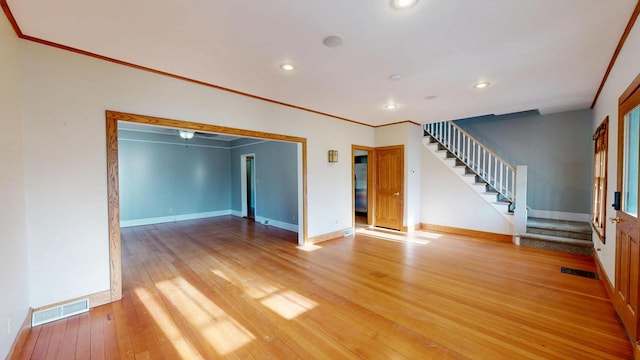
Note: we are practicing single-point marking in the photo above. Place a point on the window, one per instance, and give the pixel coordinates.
(599, 210)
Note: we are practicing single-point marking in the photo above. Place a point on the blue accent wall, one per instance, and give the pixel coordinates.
(276, 166)
(161, 175)
(557, 149)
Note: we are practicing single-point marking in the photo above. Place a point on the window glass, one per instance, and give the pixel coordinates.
(630, 177)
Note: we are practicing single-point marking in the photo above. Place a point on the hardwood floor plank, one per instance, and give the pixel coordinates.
(30, 344)
(57, 337)
(228, 288)
(43, 341)
(97, 333)
(70, 341)
(83, 345)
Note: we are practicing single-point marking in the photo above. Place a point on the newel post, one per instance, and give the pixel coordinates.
(520, 213)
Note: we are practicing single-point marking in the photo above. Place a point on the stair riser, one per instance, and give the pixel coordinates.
(548, 245)
(559, 233)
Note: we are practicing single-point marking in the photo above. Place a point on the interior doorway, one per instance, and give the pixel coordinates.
(362, 166)
(248, 185)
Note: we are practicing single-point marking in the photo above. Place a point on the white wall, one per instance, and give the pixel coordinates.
(13, 241)
(448, 201)
(64, 96)
(625, 70)
(410, 136)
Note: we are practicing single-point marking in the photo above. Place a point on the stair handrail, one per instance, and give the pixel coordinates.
(469, 152)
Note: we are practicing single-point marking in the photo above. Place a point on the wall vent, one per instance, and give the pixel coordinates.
(59, 312)
(347, 232)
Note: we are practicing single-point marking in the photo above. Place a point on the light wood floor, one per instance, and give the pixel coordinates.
(228, 288)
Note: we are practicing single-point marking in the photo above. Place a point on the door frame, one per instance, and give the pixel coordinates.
(370, 183)
(113, 193)
(626, 102)
(243, 184)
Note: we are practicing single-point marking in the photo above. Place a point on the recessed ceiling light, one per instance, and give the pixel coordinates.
(287, 67)
(333, 41)
(403, 4)
(391, 106)
(395, 77)
(481, 85)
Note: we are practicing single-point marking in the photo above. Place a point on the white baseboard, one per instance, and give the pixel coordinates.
(172, 218)
(270, 222)
(278, 224)
(559, 215)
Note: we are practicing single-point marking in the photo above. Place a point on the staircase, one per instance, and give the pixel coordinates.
(495, 180)
(560, 235)
(498, 201)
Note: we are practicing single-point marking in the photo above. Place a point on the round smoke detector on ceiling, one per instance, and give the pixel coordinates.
(395, 77)
(333, 41)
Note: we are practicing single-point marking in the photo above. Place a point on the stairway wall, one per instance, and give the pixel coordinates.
(448, 201)
(556, 147)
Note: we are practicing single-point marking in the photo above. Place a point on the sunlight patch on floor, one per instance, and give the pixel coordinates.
(218, 328)
(404, 238)
(258, 290)
(166, 324)
(309, 248)
(288, 304)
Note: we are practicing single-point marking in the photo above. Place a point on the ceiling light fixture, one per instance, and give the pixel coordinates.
(395, 77)
(186, 134)
(481, 85)
(391, 106)
(403, 4)
(287, 67)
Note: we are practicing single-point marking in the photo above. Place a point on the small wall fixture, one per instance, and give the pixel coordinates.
(186, 134)
(333, 156)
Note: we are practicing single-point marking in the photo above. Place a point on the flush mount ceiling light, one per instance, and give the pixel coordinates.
(481, 85)
(403, 4)
(186, 134)
(391, 106)
(287, 67)
(333, 41)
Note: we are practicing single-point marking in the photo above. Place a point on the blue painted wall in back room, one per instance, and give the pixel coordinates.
(276, 178)
(160, 175)
(556, 147)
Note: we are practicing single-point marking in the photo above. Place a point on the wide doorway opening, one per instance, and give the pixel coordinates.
(162, 170)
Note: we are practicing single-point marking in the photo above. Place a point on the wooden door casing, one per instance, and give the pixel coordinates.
(389, 186)
(627, 262)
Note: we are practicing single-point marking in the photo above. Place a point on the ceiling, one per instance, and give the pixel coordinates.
(549, 55)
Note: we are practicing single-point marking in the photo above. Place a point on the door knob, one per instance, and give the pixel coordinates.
(396, 194)
(614, 219)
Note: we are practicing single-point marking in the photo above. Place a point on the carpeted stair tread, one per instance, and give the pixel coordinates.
(557, 239)
(562, 225)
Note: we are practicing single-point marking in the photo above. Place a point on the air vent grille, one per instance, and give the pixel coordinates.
(59, 312)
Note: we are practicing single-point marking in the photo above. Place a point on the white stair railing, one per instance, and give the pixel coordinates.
(490, 167)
